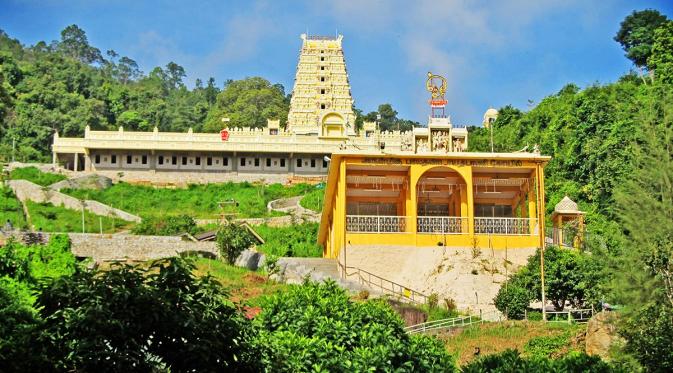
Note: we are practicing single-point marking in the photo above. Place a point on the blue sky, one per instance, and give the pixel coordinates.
(493, 53)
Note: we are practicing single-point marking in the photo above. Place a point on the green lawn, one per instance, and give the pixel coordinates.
(36, 176)
(52, 218)
(198, 201)
(10, 208)
(314, 200)
(298, 240)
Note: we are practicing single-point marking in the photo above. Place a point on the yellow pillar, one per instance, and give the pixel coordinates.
(467, 175)
(532, 205)
(415, 173)
(341, 206)
(541, 208)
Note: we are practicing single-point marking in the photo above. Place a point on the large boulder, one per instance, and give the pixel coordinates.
(92, 181)
(248, 259)
(601, 334)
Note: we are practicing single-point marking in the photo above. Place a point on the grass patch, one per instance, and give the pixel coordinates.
(199, 201)
(494, 338)
(52, 218)
(297, 240)
(36, 176)
(10, 208)
(244, 285)
(314, 200)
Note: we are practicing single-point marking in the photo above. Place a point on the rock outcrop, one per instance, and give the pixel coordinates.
(601, 334)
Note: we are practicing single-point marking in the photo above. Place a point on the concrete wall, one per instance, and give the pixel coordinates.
(25, 190)
(471, 277)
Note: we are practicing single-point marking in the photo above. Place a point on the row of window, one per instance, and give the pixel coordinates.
(173, 160)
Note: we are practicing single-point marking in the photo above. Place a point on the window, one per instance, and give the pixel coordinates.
(242, 161)
(174, 160)
(322, 91)
(161, 159)
(322, 51)
(144, 159)
(312, 162)
(198, 161)
(324, 163)
(256, 162)
(322, 67)
(225, 161)
(113, 158)
(322, 78)
(322, 58)
(97, 158)
(184, 161)
(209, 161)
(298, 162)
(129, 159)
(268, 162)
(323, 106)
(282, 162)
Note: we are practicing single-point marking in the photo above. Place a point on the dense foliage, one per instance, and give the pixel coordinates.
(511, 361)
(10, 208)
(296, 240)
(318, 328)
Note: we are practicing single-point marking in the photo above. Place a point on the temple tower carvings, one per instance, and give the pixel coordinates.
(321, 99)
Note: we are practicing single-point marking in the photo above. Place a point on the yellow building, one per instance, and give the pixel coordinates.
(459, 199)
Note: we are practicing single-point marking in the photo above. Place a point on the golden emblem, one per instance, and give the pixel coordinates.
(436, 85)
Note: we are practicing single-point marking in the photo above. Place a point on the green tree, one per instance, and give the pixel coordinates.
(248, 103)
(75, 44)
(661, 59)
(636, 34)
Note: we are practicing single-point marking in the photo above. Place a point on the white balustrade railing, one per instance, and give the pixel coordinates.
(376, 224)
(441, 224)
(505, 226)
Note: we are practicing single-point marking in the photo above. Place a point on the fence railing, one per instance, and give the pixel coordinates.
(385, 285)
(441, 224)
(376, 224)
(570, 316)
(451, 323)
(506, 226)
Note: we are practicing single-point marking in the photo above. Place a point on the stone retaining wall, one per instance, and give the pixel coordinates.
(110, 247)
(25, 190)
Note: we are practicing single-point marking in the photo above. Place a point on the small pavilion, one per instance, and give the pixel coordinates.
(568, 224)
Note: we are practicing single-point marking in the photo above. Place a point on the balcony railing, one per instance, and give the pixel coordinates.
(505, 226)
(441, 224)
(376, 224)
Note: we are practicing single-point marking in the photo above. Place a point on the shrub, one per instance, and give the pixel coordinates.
(512, 300)
(450, 304)
(170, 226)
(433, 300)
(511, 361)
(232, 239)
(316, 327)
(649, 333)
(546, 346)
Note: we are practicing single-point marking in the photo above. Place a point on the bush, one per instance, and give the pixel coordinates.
(512, 300)
(511, 361)
(649, 333)
(232, 239)
(316, 327)
(546, 346)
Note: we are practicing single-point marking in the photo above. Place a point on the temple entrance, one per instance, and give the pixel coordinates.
(441, 200)
(333, 125)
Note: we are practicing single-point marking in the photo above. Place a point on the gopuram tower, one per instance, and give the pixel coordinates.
(321, 99)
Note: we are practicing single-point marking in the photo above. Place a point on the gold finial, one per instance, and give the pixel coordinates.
(436, 85)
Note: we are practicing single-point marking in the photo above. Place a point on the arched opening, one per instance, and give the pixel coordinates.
(333, 125)
(441, 202)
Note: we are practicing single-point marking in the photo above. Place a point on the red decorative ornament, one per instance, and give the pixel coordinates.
(224, 134)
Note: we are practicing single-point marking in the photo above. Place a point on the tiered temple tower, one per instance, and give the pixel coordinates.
(321, 99)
